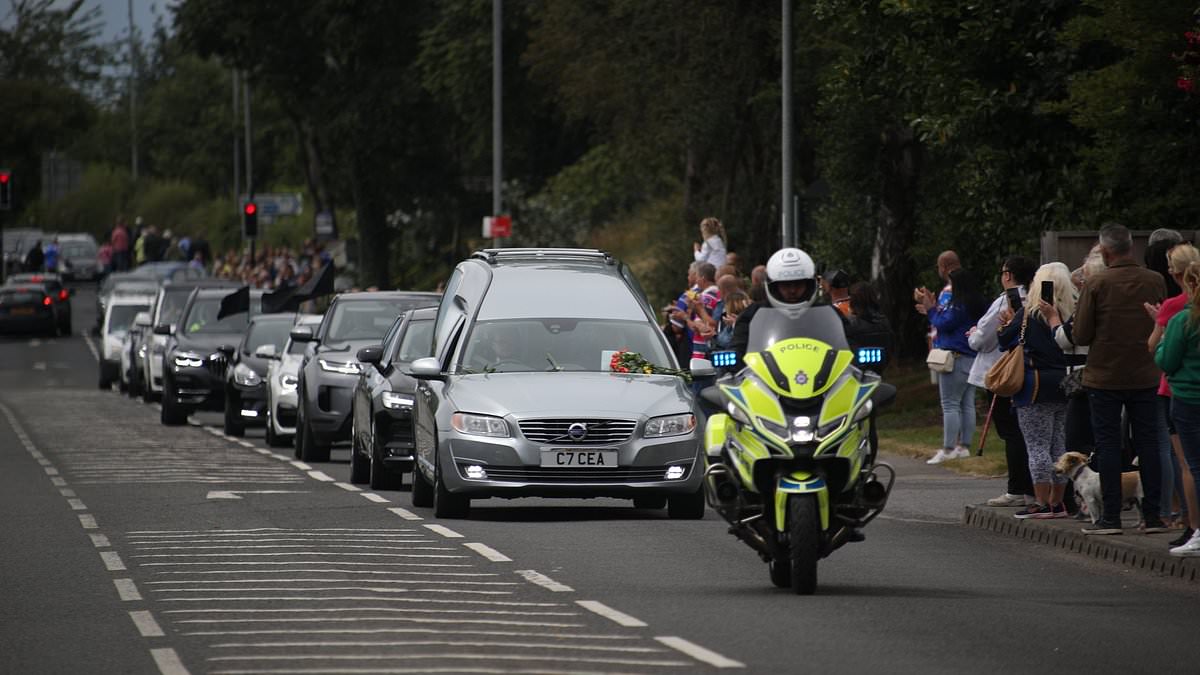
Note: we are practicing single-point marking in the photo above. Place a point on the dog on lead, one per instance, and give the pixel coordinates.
(1074, 465)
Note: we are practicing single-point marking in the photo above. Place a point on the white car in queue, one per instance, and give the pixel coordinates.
(282, 378)
(119, 314)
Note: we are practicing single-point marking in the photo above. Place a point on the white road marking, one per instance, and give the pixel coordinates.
(39, 365)
(632, 649)
(208, 585)
(405, 513)
(324, 478)
(168, 662)
(425, 620)
(245, 444)
(99, 541)
(87, 521)
(127, 591)
(35, 453)
(301, 553)
(58, 481)
(378, 499)
(87, 339)
(611, 614)
(77, 504)
(194, 423)
(112, 561)
(444, 531)
(391, 601)
(300, 465)
(262, 451)
(700, 653)
(44, 462)
(318, 571)
(236, 494)
(455, 656)
(348, 487)
(436, 632)
(533, 576)
(282, 458)
(488, 552)
(146, 624)
(51, 471)
(67, 492)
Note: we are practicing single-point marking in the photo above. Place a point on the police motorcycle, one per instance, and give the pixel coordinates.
(791, 460)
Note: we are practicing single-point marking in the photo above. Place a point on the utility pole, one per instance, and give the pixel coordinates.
(249, 153)
(788, 211)
(237, 160)
(497, 112)
(133, 62)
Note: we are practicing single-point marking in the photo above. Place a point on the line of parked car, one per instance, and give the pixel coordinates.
(502, 386)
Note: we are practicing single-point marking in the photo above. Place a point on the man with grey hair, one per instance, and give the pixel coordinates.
(1120, 374)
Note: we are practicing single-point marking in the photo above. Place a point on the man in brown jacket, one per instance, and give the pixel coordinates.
(1121, 374)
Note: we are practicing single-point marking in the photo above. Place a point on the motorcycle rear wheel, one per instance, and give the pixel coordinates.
(804, 546)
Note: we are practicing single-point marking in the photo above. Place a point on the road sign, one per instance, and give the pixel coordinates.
(498, 226)
(278, 203)
(323, 224)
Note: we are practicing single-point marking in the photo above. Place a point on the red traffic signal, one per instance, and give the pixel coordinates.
(251, 208)
(4, 176)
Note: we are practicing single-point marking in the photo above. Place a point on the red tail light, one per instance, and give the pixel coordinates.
(62, 295)
(46, 301)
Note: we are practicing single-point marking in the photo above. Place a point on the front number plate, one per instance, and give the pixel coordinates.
(592, 459)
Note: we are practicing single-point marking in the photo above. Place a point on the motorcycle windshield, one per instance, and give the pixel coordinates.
(817, 323)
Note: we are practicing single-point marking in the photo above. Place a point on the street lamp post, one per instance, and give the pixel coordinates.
(787, 210)
(497, 112)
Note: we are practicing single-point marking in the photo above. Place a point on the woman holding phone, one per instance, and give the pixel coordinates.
(1040, 404)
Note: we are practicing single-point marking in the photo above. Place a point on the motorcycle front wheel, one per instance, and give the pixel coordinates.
(804, 543)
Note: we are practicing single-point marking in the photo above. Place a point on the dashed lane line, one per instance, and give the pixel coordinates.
(535, 577)
(620, 618)
(444, 531)
(77, 505)
(488, 552)
(300, 465)
(699, 653)
(87, 521)
(348, 487)
(99, 541)
(146, 624)
(321, 476)
(112, 561)
(87, 339)
(405, 513)
(378, 499)
(168, 662)
(126, 590)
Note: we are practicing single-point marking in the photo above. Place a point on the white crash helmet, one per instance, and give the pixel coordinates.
(791, 264)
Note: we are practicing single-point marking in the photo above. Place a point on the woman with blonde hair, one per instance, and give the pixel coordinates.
(1041, 404)
(1178, 354)
(1174, 463)
(712, 250)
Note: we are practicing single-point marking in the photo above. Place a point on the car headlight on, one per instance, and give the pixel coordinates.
(188, 360)
(343, 367)
(245, 376)
(394, 401)
(670, 425)
(479, 425)
(288, 383)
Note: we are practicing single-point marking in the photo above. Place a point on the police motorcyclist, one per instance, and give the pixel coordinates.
(790, 286)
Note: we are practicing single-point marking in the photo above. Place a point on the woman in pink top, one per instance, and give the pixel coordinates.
(1178, 260)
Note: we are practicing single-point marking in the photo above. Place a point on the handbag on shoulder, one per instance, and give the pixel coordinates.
(940, 360)
(1007, 376)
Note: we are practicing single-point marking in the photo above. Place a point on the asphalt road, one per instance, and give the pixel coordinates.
(124, 551)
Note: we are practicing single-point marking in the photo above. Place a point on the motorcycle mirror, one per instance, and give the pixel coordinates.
(702, 368)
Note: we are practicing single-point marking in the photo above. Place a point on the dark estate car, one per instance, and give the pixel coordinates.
(60, 296)
(27, 309)
(382, 432)
(194, 366)
(77, 257)
(245, 381)
(330, 367)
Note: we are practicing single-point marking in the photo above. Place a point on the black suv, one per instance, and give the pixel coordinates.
(245, 379)
(194, 366)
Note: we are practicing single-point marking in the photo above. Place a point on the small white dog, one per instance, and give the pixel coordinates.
(1074, 465)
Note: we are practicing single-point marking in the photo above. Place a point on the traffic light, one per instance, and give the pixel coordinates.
(5, 189)
(250, 220)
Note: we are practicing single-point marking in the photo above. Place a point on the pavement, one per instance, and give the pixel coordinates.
(941, 495)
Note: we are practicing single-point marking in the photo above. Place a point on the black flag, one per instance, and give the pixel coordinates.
(289, 299)
(235, 303)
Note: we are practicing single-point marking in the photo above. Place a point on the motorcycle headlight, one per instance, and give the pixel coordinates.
(245, 376)
(342, 367)
(188, 360)
(479, 425)
(394, 401)
(670, 425)
(288, 383)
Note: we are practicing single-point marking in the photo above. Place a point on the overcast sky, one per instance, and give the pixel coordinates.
(115, 14)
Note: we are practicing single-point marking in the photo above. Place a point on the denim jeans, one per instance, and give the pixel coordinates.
(1187, 424)
(958, 404)
(1165, 453)
(1141, 406)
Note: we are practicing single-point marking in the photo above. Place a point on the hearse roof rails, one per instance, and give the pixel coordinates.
(497, 255)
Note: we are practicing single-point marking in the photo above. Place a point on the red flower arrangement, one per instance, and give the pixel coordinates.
(626, 361)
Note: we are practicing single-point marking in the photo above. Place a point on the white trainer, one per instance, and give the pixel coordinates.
(940, 457)
(960, 452)
(1190, 549)
(1007, 499)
